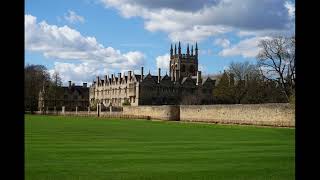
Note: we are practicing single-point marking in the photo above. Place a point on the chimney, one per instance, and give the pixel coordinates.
(198, 77)
(141, 73)
(124, 77)
(129, 75)
(84, 85)
(119, 77)
(69, 84)
(98, 80)
(159, 74)
(106, 80)
(111, 79)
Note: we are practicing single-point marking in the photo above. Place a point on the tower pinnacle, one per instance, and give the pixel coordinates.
(175, 49)
(188, 52)
(196, 49)
(191, 50)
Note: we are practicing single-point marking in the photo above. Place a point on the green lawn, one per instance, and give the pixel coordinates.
(90, 148)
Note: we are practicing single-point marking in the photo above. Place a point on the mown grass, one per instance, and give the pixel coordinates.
(81, 148)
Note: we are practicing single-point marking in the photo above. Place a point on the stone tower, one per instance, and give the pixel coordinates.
(183, 65)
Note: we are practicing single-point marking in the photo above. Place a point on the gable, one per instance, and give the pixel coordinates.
(188, 82)
(148, 80)
(208, 83)
(166, 81)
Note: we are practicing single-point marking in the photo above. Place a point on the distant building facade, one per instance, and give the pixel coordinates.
(183, 85)
(70, 97)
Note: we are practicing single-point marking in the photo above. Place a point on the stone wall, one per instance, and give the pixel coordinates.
(155, 112)
(251, 114)
(103, 114)
(68, 113)
(254, 114)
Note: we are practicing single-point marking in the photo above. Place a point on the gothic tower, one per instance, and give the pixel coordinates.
(183, 65)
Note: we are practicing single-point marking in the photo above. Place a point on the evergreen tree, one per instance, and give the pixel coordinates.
(222, 92)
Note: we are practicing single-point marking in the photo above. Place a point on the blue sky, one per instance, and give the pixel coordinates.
(84, 38)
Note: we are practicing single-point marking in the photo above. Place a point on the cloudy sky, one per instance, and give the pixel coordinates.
(84, 38)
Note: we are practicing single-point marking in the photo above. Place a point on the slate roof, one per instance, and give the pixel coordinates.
(80, 89)
(209, 79)
(185, 78)
(155, 78)
(165, 77)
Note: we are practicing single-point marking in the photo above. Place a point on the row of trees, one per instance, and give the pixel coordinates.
(36, 78)
(271, 79)
(243, 83)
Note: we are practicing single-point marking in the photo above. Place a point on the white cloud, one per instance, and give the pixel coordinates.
(64, 43)
(138, 45)
(78, 73)
(73, 17)
(201, 19)
(291, 8)
(163, 61)
(192, 5)
(198, 33)
(205, 51)
(266, 32)
(246, 48)
(223, 42)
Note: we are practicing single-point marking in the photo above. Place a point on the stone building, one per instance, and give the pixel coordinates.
(70, 97)
(183, 85)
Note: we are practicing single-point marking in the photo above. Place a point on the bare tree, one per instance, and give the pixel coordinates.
(277, 61)
(56, 79)
(240, 73)
(242, 70)
(36, 78)
(56, 84)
